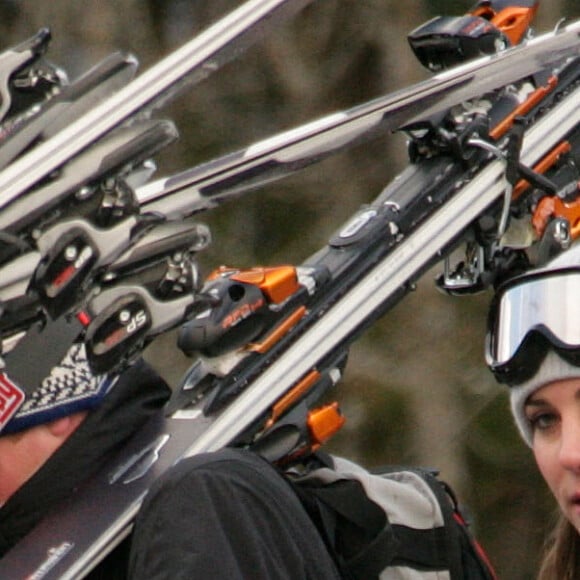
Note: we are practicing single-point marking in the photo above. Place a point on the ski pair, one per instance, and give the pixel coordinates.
(203, 187)
(370, 264)
(93, 134)
(69, 550)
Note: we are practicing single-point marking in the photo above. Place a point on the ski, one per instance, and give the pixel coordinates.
(188, 65)
(207, 185)
(60, 110)
(128, 147)
(14, 60)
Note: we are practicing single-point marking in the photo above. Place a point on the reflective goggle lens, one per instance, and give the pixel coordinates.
(528, 318)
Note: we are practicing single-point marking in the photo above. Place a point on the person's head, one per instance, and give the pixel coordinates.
(534, 347)
(49, 414)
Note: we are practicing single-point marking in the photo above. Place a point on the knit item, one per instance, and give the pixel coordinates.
(553, 368)
(70, 387)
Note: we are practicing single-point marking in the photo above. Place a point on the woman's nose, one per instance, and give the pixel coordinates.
(570, 443)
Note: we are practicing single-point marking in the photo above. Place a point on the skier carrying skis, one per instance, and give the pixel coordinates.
(222, 515)
(533, 346)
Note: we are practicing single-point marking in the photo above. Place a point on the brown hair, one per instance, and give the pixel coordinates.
(562, 555)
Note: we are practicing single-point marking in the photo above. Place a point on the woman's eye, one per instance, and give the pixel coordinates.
(543, 421)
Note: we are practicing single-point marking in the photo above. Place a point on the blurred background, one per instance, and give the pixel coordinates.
(416, 390)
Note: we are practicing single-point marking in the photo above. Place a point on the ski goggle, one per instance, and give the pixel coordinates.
(529, 317)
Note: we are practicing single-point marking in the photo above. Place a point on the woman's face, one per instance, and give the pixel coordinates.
(554, 412)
